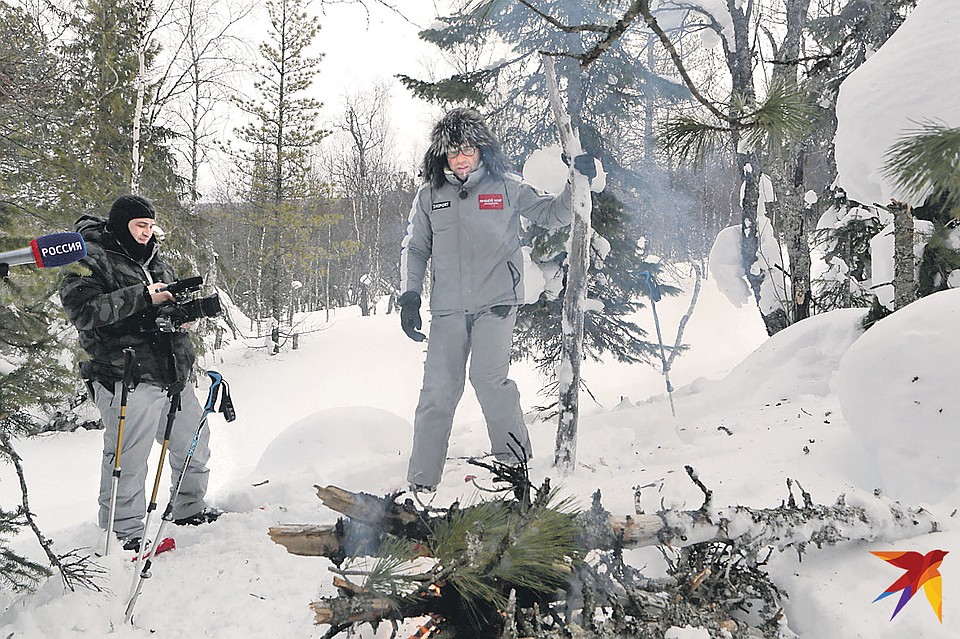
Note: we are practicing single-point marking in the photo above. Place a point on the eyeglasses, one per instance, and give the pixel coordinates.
(467, 151)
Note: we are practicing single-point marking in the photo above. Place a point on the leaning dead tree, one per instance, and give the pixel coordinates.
(525, 565)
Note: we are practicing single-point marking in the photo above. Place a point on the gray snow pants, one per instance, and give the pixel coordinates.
(146, 420)
(486, 339)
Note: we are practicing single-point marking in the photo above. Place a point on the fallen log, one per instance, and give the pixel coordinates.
(783, 526)
(346, 610)
(368, 518)
(308, 540)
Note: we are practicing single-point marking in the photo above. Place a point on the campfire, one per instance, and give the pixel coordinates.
(527, 564)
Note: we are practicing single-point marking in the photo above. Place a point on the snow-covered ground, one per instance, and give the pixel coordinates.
(837, 411)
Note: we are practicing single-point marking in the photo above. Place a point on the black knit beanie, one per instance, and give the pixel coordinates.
(126, 208)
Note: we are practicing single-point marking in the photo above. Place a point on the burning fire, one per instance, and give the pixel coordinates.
(429, 628)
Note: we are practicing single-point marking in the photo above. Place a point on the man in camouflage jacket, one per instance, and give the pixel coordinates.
(112, 300)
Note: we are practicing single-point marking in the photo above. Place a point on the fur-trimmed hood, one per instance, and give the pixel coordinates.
(459, 127)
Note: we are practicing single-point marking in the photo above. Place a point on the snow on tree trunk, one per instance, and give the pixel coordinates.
(740, 63)
(575, 294)
(790, 208)
(790, 184)
(798, 249)
(904, 273)
(465, 584)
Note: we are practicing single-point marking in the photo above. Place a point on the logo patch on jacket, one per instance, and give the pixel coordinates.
(436, 206)
(490, 201)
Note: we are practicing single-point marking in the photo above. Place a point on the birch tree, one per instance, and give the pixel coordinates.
(576, 290)
(192, 94)
(200, 80)
(143, 14)
(363, 167)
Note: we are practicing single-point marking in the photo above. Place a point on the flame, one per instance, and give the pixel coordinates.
(427, 629)
(434, 590)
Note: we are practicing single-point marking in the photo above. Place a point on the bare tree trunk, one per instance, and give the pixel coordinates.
(326, 277)
(740, 64)
(258, 283)
(578, 261)
(904, 267)
(798, 250)
(791, 189)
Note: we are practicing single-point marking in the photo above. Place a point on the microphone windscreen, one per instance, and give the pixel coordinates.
(58, 249)
(185, 284)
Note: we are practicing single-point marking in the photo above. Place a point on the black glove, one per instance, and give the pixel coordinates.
(501, 310)
(410, 320)
(585, 165)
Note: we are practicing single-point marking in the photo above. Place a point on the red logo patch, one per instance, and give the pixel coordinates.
(490, 201)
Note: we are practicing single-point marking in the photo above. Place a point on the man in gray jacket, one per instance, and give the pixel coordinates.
(465, 220)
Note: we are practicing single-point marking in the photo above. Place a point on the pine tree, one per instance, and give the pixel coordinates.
(280, 188)
(34, 166)
(101, 92)
(838, 39)
(844, 242)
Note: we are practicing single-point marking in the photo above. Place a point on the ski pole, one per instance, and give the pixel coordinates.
(653, 289)
(216, 381)
(127, 382)
(171, 417)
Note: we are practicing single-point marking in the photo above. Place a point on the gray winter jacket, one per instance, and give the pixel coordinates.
(471, 232)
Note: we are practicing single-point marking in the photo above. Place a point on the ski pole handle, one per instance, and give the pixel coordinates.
(215, 380)
(226, 405)
(128, 355)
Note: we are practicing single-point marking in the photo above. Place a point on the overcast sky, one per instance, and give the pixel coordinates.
(361, 49)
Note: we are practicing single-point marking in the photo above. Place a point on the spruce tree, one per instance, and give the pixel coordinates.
(616, 280)
(101, 94)
(603, 96)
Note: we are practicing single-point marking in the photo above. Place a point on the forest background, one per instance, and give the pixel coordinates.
(706, 116)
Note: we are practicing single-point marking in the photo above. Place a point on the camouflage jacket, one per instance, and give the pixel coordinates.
(111, 309)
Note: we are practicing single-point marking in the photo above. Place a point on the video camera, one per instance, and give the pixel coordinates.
(172, 316)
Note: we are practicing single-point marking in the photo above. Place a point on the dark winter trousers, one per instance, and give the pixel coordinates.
(146, 420)
(486, 339)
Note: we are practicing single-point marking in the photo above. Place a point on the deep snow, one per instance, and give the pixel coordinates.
(840, 412)
(751, 412)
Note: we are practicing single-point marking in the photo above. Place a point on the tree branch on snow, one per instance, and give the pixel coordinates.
(75, 569)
